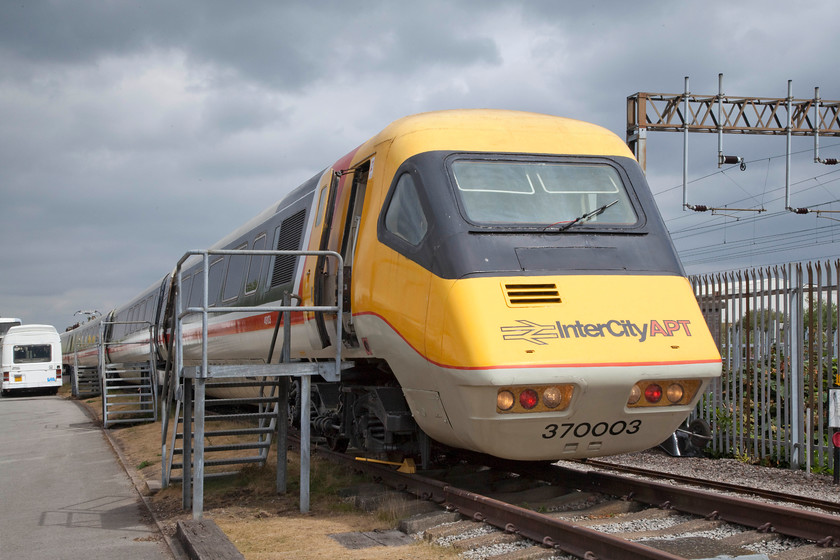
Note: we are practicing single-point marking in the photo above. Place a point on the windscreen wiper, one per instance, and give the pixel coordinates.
(584, 218)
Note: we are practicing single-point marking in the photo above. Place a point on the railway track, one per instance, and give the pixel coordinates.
(830, 507)
(597, 515)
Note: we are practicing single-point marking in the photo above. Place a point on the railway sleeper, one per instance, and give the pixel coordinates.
(488, 539)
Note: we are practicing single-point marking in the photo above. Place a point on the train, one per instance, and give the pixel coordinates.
(509, 288)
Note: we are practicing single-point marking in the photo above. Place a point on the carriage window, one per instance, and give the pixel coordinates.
(197, 289)
(186, 289)
(405, 217)
(540, 193)
(255, 266)
(235, 273)
(215, 283)
(146, 316)
(132, 316)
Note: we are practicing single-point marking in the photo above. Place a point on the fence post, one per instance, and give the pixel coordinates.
(796, 355)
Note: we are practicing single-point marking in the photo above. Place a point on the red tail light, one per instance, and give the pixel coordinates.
(653, 393)
(5, 376)
(528, 399)
(58, 372)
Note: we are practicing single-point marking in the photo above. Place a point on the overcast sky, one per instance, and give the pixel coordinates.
(131, 132)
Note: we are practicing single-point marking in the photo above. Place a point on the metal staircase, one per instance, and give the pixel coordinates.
(129, 394)
(242, 426)
(85, 381)
(129, 390)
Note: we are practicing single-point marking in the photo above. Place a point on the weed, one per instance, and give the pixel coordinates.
(743, 457)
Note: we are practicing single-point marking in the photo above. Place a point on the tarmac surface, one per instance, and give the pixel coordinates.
(63, 491)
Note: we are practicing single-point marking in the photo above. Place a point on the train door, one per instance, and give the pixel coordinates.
(339, 233)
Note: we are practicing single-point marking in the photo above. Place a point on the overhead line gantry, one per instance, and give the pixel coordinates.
(723, 114)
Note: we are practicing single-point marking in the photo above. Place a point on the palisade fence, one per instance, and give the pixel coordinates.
(776, 329)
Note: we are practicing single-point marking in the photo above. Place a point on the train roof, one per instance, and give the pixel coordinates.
(490, 130)
(479, 130)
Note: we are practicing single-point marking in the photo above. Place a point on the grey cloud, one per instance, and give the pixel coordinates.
(282, 45)
(43, 30)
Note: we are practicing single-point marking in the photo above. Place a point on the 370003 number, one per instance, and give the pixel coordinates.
(586, 429)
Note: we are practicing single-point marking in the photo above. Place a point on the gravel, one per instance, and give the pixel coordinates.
(794, 482)
(639, 525)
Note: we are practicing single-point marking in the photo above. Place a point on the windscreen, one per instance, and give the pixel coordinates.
(514, 193)
(32, 353)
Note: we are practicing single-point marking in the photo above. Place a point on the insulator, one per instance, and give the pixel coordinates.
(829, 161)
(731, 160)
(699, 208)
(800, 210)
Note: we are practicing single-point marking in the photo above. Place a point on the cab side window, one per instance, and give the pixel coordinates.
(405, 217)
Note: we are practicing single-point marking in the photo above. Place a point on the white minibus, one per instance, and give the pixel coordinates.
(30, 358)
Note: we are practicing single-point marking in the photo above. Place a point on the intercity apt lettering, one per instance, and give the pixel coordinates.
(536, 333)
(619, 329)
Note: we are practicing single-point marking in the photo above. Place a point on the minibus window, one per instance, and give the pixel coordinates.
(32, 353)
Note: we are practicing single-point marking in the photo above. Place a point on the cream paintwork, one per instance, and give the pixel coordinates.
(467, 416)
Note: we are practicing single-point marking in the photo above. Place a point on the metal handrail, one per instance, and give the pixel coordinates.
(200, 376)
(205, 309)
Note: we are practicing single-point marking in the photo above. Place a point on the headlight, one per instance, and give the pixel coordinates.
(504, 400)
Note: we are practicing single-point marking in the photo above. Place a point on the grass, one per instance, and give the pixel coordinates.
(262, 524)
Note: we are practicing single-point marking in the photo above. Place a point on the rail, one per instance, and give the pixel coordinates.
(550, 531)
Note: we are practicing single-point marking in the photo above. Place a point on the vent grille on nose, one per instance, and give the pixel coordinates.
(519, 295)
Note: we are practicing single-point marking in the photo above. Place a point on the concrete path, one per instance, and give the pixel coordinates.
(63, 492)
